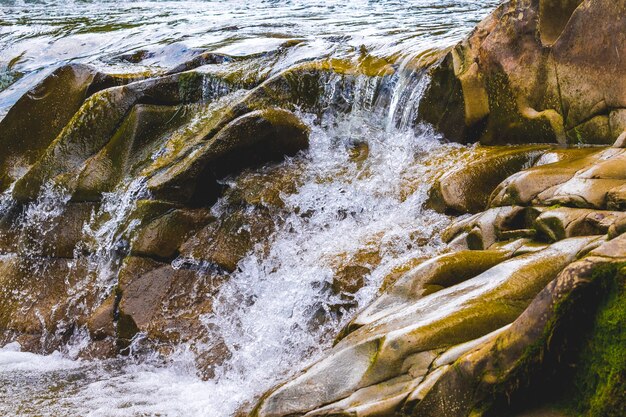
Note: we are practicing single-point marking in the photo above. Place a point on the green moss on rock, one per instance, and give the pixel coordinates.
(600, 379)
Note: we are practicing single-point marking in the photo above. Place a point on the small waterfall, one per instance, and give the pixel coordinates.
(6, 200)
(404, 103)
(363, 184)
(109, 230)
(39, 219)
(278, 310)
(358, 203)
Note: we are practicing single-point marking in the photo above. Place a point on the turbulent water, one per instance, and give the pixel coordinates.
(372, 202)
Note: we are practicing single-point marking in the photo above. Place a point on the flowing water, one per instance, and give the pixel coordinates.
(368, 203)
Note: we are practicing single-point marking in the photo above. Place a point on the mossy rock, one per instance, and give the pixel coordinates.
(258, 137)
(467, 189)
(226, 241)
(532, 361)
(376, 352)
(38, 117)
(442, 271)
(132, 143)
(255, 138)
(96, 122)
(599, 382)
(161, 237)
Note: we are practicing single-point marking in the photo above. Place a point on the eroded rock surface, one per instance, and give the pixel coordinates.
(107, 180)
(110, 226)
(458, 334)
(535, 71)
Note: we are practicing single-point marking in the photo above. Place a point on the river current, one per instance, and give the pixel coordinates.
(383, 192)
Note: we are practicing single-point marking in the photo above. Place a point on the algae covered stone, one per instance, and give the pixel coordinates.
(38, 117)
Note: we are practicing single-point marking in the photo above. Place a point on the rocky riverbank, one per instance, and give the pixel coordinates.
(110, 182)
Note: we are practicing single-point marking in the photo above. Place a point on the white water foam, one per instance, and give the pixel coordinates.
(288, 315)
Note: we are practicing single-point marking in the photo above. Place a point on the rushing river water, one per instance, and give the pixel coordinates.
(268, 338)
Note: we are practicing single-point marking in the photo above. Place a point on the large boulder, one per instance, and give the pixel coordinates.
(176, 130)
(467, 188)
(535, 71)
(585, 182)
(94, 126)
(257, 137)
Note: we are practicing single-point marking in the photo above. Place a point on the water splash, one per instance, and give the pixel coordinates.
(278, 310)
(40, 218)
(108, 232)
(409, 85)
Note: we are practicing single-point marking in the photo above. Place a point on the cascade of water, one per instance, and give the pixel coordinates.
(96, 274)
(108, 231)
(409, 85)
(6, 200)
(359, 200)
(278, 310)
(40, 217)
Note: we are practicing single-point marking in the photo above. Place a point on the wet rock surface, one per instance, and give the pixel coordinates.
(488, 329)
(128, 208)
(164, 145)
(534, 69)
(459, 334)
